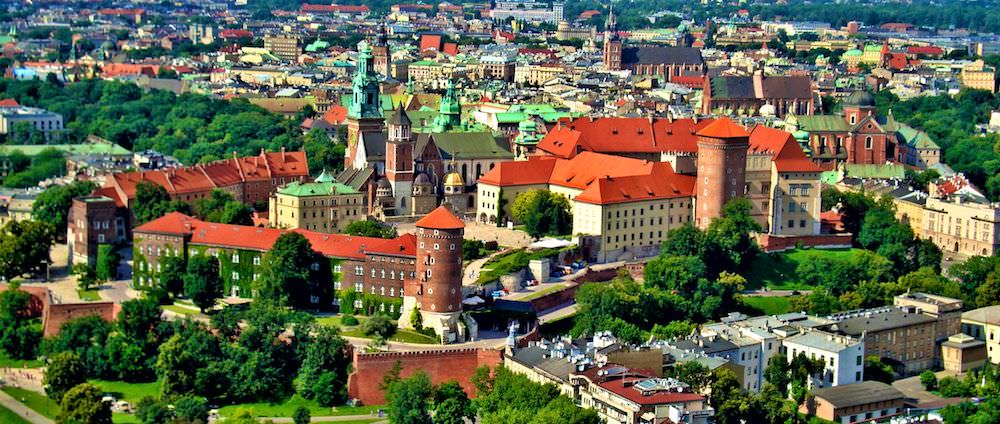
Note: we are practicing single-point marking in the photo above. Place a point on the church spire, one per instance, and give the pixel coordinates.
(450, 112)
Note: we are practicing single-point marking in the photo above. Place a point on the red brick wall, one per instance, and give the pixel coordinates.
(57, 314)
(39, 299)
(771, 243)
(722, 163)
(440, 366)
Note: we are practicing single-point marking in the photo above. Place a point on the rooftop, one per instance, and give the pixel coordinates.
(863, 393)
(985, 315)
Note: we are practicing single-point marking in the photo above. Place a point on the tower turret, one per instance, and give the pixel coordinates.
(722, 163)
(437, 289)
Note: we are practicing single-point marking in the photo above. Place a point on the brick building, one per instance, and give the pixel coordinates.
(365, 274)
(437, 289)
(721, 175)
(664, 62)
(249, 180)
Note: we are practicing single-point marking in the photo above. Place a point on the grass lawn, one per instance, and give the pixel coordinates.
(768, 305)
(88, 295)
(9, 417)
(410, 336)
(287, 408)
(509, 262)
(130, 392)
(179, 310)
(34, 400)
(8, 362)
(123, 418)
(539, 293)
(777, 271)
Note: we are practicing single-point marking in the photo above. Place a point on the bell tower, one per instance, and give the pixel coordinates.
(612, 43)
(399, 155)
(364, 114)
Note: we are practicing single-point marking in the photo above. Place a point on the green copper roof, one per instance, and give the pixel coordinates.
(853, 52)
(916, 138)
(532, 109)
(316, 189)
(325, 178)
(511, 117)
(470, 145)
(883, 171)
(822, 123)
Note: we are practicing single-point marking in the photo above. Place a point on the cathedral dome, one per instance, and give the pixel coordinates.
(422, 178)
(454, 179)
(860, 98)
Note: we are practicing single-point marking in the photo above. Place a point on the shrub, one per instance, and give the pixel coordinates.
(929, 380)
(349, 320)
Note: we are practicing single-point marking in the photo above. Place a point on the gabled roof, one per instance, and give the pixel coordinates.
(660, 183)
(622, 135)
(466, 145)
(786, 153)
(535, 170)
(442, 219)
(822, 123)
(661, 55)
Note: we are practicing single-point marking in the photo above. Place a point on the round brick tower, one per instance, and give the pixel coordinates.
(437, 289)
(722, 164)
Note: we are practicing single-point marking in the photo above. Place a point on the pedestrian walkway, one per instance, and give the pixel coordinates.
(20, 409)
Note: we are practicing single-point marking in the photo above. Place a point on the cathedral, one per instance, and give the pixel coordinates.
(405, 173)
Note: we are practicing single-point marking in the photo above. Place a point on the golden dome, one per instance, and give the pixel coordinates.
(453, 179)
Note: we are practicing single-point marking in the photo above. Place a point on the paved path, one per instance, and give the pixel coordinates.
(475, 267)
(494, 342)
(775, 293)
(912, 388)
(557, 313)
(484, 232)
(18, 408)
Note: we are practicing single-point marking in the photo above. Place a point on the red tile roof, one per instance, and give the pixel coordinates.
(535, 170)
(723, 128)
(786, 152)
(430, 42)
(622, 135)
(204, 177)
(262, 239)
(925, 50)
(121, 12)
(336, 115)
(661, 183)
(450, 49)
(661, 397)
(9, 103)
(235, 33)
(442, 219)
(689, 81)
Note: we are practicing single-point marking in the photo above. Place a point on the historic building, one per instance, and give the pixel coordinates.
(861, 136)
(759, 94)
(407, 173)
(436, 292)
(664, 62)
(631, 179)
(324, 205)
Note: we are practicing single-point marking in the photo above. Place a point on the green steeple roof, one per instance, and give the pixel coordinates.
(450, 110)
(365, 102)
(298, 189)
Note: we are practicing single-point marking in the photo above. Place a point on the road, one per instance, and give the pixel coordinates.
(18, 408)
(490, 343)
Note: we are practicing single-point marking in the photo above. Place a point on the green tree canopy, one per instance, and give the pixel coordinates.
(202, 283)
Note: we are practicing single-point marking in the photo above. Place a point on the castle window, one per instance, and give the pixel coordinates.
(256, 260)
(235, 275)
(236, 258)
(868, 143)
(358, 270)
(315, 266)
(336, 268)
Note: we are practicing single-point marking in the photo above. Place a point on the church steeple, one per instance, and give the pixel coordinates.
(450, 112)
(612, 43)
(365, 91)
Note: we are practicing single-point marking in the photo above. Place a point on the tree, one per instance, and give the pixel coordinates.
(416, 319)
(151, 411)
(108, 259)
(451, 404)
(698, 376)
(151, 201)
(86, 276)
(192, 409)
(366, 228)
(325, 353)
(220, 207)
(505, 397)
(53, 204)
(408, 398)
(378, 325)
(202, 283)
(777, 373)
(301, 416)
(928, 380)
(876, 370)
(172, 269)
(543, 213)
(673, 330)
(64, 372)
(329, 390)
(139, 319)
(84, 404)
(285, 277)
(24, 248)
(19, 336)
(732, 233)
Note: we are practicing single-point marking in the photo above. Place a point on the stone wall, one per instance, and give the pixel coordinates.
(772, 243)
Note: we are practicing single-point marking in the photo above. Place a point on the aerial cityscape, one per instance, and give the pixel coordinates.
(499, 212)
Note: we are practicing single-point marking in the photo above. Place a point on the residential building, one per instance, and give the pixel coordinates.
(867, 401)
(904, 338)
(977, 75)
(962, 353)
(12, 118)
(325, 206)
(843, 356)
(623, 396)
(983, 324)
(285, 46)
(960, 225)
(527, 10)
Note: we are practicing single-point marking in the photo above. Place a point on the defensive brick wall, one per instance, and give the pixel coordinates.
(57, 314)
(440, 366)
(770, 243)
